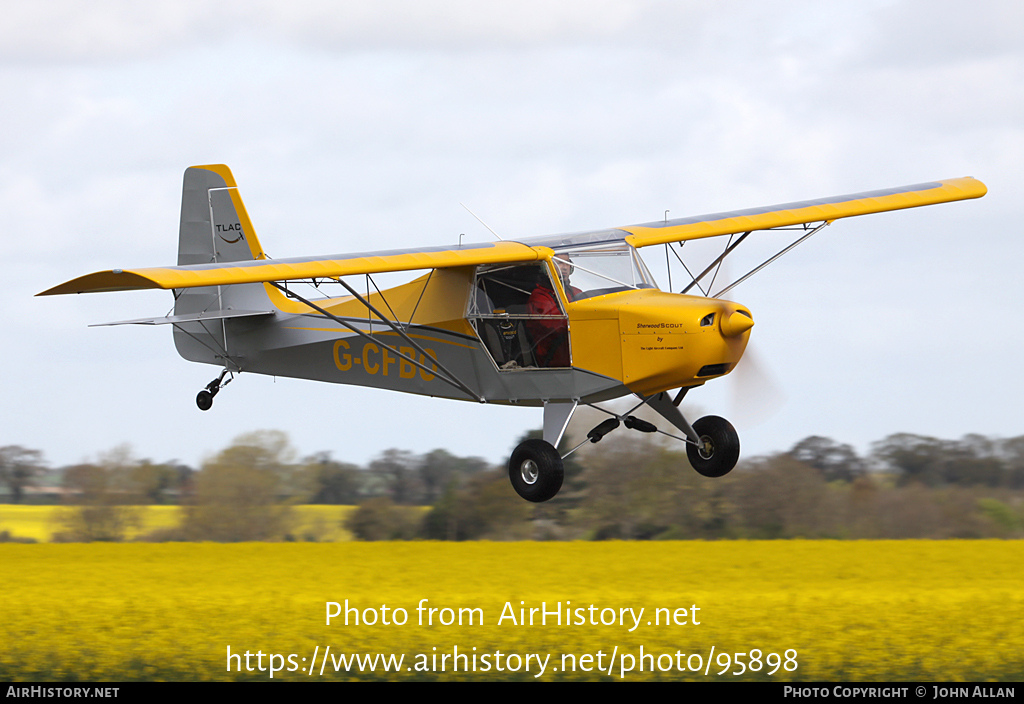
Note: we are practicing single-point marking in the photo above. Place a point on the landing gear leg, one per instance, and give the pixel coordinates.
(204, 399)
(712, 444)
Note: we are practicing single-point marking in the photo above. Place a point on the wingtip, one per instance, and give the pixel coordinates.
(102, 281)
(972, 187)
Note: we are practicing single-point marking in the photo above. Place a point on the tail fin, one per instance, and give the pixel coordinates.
(215, 228)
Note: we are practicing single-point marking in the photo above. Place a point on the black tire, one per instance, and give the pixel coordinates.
(535, 470)
(719, 450)
(204, 400)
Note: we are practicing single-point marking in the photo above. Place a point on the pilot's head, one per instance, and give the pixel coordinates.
(564, 268)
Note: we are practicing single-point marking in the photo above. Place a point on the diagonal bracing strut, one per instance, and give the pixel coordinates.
(758, 268)
(807, 228)
(661, 403)
(718, 261)
(446, 377)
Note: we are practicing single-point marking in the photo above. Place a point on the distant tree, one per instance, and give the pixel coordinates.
(1003, 517)
(634, 488)
(911, 457)
(834, 460)
(917, 511)
(235, 497)
(331, 482)
(395, 471)
(262, 449)
(439, 468)
(98, 506)
(19, 468)
(1012, 451)
(184, 482)
(153, 482)
(484, 506)
(778, 497)
(380, 519)
(971, 461)
(974, 460)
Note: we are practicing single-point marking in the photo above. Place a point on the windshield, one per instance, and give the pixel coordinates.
(594, 271)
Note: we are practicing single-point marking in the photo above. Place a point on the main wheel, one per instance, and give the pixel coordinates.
(535, 470)
(204, 400)
(719, 447)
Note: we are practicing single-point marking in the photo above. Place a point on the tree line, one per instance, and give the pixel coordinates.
(627, 487)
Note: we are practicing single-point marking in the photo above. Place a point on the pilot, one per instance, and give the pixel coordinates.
(550, 335)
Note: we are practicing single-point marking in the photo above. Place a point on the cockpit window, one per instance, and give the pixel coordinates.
(505, 289)
(595, 271)
(519, 318)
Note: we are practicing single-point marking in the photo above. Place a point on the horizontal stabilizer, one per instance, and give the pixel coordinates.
(192, 318)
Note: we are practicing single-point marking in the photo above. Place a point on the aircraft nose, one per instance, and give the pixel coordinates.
(736, 324)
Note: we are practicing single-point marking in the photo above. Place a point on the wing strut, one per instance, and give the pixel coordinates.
(688, 272)
(758, 268)
(807, 229)
(447, 377)
(717, 262)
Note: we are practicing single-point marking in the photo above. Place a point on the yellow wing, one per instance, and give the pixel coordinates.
(528, 249)
(263, 270)
(823, 209)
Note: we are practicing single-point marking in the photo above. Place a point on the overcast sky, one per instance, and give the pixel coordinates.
(362, 125)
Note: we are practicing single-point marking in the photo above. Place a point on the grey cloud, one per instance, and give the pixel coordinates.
(943, 32)
(66, 30)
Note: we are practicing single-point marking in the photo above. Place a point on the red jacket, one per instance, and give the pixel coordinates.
(550, 335)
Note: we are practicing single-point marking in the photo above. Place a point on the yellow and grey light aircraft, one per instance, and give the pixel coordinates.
(554, 321)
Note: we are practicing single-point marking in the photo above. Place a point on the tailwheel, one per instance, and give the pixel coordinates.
(204, 399)
(535, 470)
(719, 447)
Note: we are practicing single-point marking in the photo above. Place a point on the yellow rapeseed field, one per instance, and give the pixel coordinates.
(816, 610)
(309, 522)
